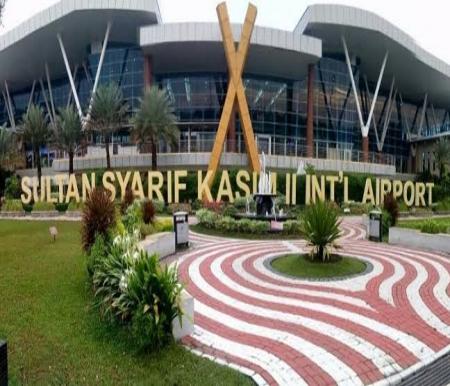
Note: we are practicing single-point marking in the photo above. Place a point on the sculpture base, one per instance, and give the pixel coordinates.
(264, 203)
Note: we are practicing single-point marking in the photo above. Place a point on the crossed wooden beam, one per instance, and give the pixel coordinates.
(236, 92)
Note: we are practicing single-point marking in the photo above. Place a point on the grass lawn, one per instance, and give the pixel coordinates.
(301, 266)
(245, 236)
(417, 224)
(54, 335)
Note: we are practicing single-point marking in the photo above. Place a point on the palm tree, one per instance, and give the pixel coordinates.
(36, 131)
(107, 113)
(442, 154)
(68, 133)
(6, 145)
(154, 121)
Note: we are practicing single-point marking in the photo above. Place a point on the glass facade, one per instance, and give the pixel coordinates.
(278, 107)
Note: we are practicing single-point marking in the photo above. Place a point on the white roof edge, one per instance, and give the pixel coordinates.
(64, 7)
(210, 32)
(349, 16)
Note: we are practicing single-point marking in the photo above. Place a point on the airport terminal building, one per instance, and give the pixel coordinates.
(345, 89)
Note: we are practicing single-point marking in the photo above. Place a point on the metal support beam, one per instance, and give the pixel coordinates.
(388, 119)
(12, 119)
(7, 108)
(47, 105)
(422, 117)
(69, 74)
(99, 69)
(49, 86)
(352, 79)
(364, 125)
(69, 98)
(377, 90)
(405, 118)
(30, 101)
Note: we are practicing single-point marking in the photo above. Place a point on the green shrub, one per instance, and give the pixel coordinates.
(292, 227)
(97, 253)
(230, 211)
(133, 218)
(240, 204)
(12, 187)
(12, 206)
(155, 294)
(207, 218)
(99, 216)
(386, 222)
(431, 226)
(443, 206)
(61, 207)
(159, 206)
(321, 229)
(28, 208)
(43, 206)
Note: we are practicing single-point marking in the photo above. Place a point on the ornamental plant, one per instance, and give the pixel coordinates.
(390, 205)
(99, 216)
(321, 229)
(127, 200)
(148, 212)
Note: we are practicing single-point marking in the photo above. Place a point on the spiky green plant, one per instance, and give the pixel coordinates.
(6, 145)
(154, 121)
(68, 133)
(107, 114)
(321, 229)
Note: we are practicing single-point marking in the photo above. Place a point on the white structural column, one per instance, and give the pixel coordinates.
(30, 101)
(50, 92)
(422, 117)
(405, 119)
(47, 105)
(364, 126)
(11, 112)
(99, 69)
(388, 116)
(69, 74)
(69, 98)
(7, 109)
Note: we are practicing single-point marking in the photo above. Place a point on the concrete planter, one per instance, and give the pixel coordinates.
(162, 244)
(186, 327)
(416, 239)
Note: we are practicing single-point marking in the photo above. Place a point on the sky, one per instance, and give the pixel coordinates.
(426, 21)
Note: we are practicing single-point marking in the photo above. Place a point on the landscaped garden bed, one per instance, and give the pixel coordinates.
(303, 267)
(56, 336)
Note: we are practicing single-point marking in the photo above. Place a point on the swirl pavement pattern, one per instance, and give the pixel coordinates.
(376, 328)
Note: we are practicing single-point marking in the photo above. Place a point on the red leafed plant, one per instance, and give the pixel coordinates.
(127, 200)
(391, 206)
(148, 212)
(99, 215)
(214, 206)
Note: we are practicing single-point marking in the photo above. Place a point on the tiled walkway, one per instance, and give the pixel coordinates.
(378, 327)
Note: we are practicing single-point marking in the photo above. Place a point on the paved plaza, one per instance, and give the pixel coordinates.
(378, 327)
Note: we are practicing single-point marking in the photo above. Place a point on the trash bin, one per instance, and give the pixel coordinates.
(181, 228)
(3, 364)
(375, 226)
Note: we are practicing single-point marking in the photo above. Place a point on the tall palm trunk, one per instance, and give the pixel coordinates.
(71, 155)
(154, 155)
(38, 165)
(108, 157)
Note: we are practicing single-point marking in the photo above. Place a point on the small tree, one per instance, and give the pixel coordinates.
(68, 133)
(36, 131)
(442, 154)
(6, 145)
(107, 114)
(155, 121)
(321, 229)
